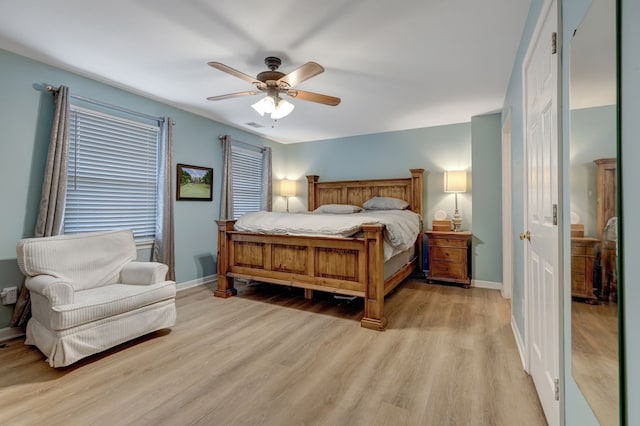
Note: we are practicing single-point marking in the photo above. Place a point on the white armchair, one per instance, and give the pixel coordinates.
(88, 293)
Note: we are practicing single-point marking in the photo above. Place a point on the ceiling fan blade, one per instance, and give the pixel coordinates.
(313, 97)
(233, 72)
(305, 72)
(233, 95)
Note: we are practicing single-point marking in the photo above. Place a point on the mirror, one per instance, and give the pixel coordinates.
(594, 198)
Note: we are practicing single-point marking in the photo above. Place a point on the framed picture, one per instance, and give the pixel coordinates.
(194, 183)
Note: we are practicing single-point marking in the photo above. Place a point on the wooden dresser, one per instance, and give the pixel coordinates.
(582, 261)
(449, 257)
(607, 209)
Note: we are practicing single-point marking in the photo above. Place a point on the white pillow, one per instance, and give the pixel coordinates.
(385, 203)
(338, 209)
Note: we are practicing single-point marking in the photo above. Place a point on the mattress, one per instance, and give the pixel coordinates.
(398, 261)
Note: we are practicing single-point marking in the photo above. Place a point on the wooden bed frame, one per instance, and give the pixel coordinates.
(348, 266)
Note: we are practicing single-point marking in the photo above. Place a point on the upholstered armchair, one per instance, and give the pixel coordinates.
(88, 293)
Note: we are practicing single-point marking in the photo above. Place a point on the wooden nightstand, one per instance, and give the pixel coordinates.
(582, 261)
(449, 258)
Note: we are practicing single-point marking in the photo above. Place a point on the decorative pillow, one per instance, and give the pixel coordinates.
(385, 203)
(338, 209)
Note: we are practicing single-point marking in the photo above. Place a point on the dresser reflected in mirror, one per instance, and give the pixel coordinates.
(594, 212)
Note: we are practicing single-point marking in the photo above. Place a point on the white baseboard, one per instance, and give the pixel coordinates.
(198, 281)
(10, 333)
(486, 284)
(519, 342)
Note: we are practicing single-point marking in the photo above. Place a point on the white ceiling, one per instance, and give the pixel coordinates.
(593, 57)
(396, 64)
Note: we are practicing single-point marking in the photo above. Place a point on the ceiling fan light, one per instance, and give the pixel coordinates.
(283, 109)
(264, 106)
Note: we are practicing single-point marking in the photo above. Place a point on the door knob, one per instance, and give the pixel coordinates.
(525, 236)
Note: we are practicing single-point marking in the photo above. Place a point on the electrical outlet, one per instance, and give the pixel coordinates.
(9, 295)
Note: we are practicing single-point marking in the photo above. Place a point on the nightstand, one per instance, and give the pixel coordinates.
(449, 257)
(582, 262)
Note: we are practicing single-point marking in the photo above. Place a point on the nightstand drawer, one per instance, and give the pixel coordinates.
(449, 270)
(578, 250)
(447, 242)
(448, 253)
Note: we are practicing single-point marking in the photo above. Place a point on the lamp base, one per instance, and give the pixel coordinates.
(457, 221)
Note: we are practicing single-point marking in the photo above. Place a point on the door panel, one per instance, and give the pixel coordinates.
(541, 253)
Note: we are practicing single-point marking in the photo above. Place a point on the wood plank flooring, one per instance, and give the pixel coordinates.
(270, 357)
(594, 358)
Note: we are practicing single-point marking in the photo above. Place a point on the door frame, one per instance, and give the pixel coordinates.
(561, 263)
(507, 221)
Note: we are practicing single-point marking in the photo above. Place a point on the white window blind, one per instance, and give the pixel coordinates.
(247, 180)
(112, 174)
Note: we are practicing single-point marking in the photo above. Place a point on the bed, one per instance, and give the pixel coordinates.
(351, 266)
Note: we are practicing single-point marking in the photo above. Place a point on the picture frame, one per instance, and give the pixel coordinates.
(194, 183)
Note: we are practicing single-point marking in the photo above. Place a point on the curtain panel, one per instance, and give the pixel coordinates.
(54, 187)
(164, 246)
(266, 199)
(226, 203)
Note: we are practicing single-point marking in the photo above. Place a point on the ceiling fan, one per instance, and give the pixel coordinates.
(274, 83)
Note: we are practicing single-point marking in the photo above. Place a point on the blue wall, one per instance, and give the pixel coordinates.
(25, 124)
(593, 135)
(392, 154)
(486, 134)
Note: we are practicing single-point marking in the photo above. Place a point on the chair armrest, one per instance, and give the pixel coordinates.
(56, 290)
(143, 273)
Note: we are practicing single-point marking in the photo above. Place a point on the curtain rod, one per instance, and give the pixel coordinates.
(244, 144)
(114, 107)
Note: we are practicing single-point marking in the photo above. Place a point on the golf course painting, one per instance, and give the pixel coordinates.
(194, 183)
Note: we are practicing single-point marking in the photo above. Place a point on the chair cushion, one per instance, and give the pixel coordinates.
(102, 302)
(83, 260)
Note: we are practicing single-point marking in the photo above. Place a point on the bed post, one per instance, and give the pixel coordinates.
(374, 292)
(312, 195)
(225, 284)
(416, 190)
(417, 179)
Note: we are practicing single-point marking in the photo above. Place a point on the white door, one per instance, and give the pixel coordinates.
(542, 247)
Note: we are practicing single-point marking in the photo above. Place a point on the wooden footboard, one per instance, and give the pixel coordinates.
(348, 266)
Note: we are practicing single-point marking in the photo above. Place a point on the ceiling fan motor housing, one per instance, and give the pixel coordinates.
(265, 76)
(272, 63)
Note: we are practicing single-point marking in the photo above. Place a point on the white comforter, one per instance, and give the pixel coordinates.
(402, 227)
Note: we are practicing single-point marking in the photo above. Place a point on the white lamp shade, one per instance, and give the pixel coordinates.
(283, 109)
(265, 105)
(287, 188)
(455, 181)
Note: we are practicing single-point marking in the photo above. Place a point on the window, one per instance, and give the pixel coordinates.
(246, 166)
(112, 174)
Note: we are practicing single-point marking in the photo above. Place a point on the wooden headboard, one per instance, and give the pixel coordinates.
(356, 192)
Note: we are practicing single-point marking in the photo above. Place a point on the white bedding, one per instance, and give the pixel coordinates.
(402, 227)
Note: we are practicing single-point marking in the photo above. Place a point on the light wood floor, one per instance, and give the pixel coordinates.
(594, 358)
(271, 357)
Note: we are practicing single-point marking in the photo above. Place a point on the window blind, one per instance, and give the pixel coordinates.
(112, 174)
(247, 180)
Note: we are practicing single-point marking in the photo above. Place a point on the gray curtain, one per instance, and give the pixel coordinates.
(267, 192)
(163, 247)
(226, 204)
(54, 188)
